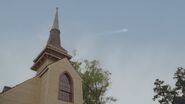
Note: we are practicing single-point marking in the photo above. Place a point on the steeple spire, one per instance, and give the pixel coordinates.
(54, 38)
(55, 22)
(53, 50)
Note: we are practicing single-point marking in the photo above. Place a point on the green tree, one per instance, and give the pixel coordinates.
(96, 82)
(164, 93)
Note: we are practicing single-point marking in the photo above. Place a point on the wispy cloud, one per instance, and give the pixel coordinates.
(114, 32)
(120, 31)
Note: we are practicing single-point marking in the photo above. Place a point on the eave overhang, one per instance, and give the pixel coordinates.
(50, 52)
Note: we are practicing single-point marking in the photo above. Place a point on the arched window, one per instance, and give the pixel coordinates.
(65, 88)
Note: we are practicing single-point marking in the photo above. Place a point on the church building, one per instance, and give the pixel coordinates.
(55, 82)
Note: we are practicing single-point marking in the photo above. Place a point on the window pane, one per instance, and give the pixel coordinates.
(65, 88)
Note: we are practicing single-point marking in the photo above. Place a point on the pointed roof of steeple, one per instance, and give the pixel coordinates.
(56, 22)
(54, 38)
(53, 49)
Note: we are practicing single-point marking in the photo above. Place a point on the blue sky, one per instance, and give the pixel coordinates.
(137, 40)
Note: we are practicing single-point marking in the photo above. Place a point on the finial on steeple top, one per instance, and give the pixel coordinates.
(55, 22)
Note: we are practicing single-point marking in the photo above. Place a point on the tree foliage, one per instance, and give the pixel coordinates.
(95, 82)
(164, 93)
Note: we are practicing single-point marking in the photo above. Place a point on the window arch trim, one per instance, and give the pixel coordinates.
(71, 86)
